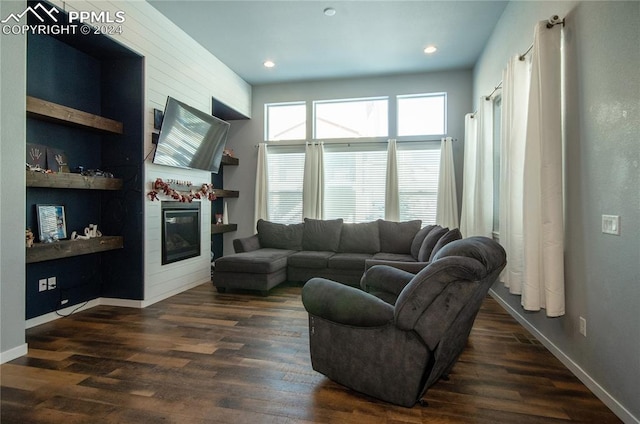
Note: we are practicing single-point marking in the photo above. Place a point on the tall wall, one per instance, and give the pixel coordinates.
(245, 135)
(175, 65)
(601, 46)
(13, 90)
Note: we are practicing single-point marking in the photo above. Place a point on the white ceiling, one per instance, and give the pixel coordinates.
(364, 38)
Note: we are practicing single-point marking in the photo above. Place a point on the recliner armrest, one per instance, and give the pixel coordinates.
(246, 244)
(343, 304)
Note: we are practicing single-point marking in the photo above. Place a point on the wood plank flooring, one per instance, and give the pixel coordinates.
(205, 357)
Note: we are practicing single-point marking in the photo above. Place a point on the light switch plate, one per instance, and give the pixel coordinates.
(611, 224)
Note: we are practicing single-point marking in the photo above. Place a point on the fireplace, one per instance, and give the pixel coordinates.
(180, 231)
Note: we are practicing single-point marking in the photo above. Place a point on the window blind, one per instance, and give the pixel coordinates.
(286, 170)
(418, 174)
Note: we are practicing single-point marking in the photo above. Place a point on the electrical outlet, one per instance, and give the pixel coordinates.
(42, 284)
(583, 326)
(52, 283)
(64, 301)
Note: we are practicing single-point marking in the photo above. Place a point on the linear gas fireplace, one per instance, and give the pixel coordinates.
(180, 231)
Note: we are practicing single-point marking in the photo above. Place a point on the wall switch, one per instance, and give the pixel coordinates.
(583, 326)
(611, 224)
(51, 283)
(42, 284)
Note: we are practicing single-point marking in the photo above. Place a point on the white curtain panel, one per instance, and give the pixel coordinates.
(447, 206)
(543, 214)
(262, 185)
(476, 217)
(392, 194)
(313, 181)
(515, 98)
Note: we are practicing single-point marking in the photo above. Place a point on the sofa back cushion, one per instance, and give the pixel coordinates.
(280, 236)
(447, 238)
(419, 238)
(321, 234)
(429, 242)
(396, 237)
(360, 238)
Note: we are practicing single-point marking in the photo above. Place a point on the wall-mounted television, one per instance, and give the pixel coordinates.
(190, 138)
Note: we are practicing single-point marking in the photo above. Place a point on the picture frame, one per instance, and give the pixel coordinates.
(52, 224)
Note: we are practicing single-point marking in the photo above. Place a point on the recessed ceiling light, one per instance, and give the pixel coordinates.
(430, 49)
(269, 64)
(329, 11)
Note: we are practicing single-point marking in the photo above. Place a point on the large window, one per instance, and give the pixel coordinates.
(418, 174)
(354, 186)
(422, 114)
(356, 118)
(285, 121)
(286, 170)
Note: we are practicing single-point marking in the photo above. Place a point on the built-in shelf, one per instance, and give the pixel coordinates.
(75, 181)
(41, 252)
(219, 192)
(50, 111)
(228, 160)
(223, 228)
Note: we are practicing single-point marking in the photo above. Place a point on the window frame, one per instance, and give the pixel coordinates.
(314, 128)
(421, 137)
(267, 106)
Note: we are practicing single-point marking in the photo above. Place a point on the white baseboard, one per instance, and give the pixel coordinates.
(585, 378)
(14, 353)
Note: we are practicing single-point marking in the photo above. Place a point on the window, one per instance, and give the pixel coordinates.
(422, 114)
(351, 118)
(418, 174)
(286, 171)
(354, 187)
(285, 121)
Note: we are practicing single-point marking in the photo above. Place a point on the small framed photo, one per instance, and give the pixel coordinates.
(52, 224)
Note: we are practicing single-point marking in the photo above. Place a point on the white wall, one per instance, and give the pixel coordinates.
(12, 193)
(602, 92)
(175, 65)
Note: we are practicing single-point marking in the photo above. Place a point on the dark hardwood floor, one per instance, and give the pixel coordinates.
(204, 357)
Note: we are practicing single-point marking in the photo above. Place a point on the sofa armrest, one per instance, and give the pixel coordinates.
(247, 244)
(343, 304)
(412, 267)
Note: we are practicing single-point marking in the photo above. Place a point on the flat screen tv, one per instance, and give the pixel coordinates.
(190, 138)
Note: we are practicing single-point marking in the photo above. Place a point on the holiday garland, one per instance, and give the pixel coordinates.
(159, 186)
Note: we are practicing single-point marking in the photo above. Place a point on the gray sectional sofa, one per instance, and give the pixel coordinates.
(329, 249)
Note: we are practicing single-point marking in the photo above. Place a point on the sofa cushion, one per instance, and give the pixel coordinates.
(430, 242)
(419, 238)
(349, 261)
(309, 259)
(396, 237)
(360, 238)
(261, 261)
(447, 238)
(321, 234)
(400, 257)
(280, 236)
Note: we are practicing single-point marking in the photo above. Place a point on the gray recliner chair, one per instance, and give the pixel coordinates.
(396, 341)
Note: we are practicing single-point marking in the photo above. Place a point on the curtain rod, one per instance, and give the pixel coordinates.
(551, 22)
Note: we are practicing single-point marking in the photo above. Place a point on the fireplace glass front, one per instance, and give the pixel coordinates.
(180, 231)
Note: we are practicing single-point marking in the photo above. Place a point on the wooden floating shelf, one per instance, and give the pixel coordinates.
(41, 252)
(76, 181)
(228, 160)
(219, 192)
(223, 228)
(50, 111)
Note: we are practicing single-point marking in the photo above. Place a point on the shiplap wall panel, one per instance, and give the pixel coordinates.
(176, 66)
